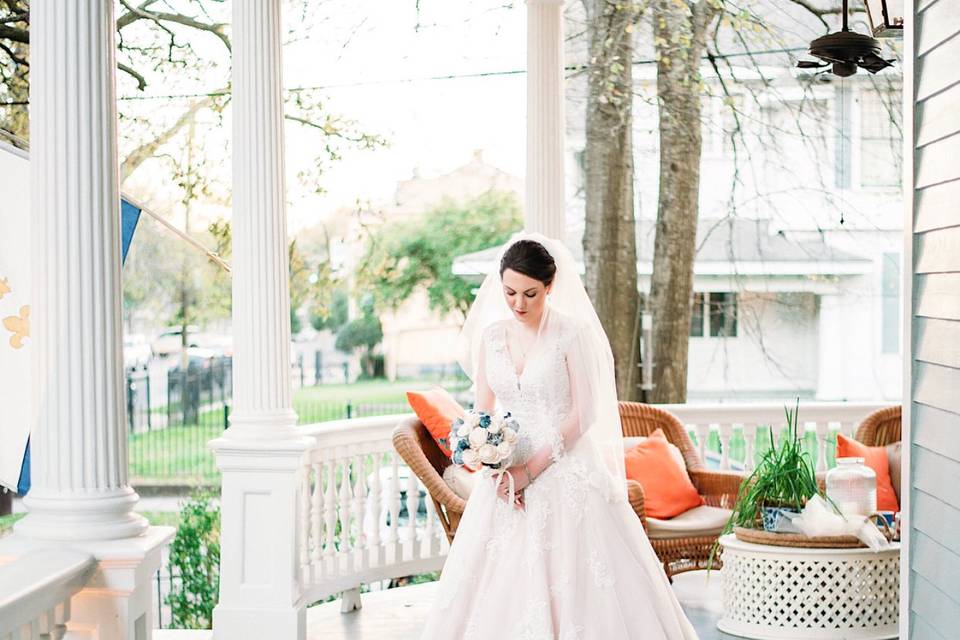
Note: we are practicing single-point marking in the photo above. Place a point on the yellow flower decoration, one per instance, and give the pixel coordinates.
(19, 325)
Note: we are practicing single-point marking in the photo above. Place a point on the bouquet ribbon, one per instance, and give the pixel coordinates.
(498, 475)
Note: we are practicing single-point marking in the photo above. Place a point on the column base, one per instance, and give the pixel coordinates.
(117, 601)
(233, 623)
(106, 515)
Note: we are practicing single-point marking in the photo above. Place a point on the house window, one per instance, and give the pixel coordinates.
(714, 314)
(890, 309)
(696, 317)
(880, 139)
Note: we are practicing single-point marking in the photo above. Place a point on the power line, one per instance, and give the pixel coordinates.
(452, 76)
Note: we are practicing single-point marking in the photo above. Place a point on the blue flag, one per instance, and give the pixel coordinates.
(129, 216)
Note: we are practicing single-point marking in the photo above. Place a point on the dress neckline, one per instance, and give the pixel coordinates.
(518, 374)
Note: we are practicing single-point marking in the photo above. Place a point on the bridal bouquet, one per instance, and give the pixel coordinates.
(481, 440)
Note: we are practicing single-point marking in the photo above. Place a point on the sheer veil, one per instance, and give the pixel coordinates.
(571, 319)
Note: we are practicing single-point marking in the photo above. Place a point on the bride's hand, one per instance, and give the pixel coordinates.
(520, 482)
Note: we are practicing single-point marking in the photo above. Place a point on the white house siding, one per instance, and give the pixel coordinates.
(774, 354)
(934, 432)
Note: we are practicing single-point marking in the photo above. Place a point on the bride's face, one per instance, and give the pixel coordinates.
(525, 296)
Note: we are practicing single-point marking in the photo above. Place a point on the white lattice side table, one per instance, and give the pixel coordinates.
(781, 593)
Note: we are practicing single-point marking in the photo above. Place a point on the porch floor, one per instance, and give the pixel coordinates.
(399, 613)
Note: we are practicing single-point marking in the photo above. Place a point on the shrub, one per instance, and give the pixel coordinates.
(195, 560)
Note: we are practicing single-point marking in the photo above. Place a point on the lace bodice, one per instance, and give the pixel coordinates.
(540, 396)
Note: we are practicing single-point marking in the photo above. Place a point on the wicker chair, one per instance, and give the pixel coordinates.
(419, 450)
(880, 428)
(677, 551)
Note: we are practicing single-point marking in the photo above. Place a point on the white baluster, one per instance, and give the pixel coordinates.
(847, 429)
(359, 504)
(413, 506)
(823, 430)
(303, 519)
(703, 434)
(330, 513)
(316, 515)
(376, 551)
(726, 433)
(750, 440)
(394, 535)
(430, 529)
(346, 543)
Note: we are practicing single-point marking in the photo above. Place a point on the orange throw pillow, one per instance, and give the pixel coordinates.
(437, 410)
(876, 459)
(667, 490)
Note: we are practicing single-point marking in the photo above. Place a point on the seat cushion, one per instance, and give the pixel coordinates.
(699, 521)
(893, 461)
(630, 442)
(460, 480)
(437, 410)
(876, 459)
(667, 489)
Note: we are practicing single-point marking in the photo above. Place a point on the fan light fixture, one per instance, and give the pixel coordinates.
(845, 51)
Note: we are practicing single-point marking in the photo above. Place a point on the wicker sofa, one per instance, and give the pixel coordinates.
(682, 543)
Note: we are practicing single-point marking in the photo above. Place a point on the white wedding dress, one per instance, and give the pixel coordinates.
(576, 564)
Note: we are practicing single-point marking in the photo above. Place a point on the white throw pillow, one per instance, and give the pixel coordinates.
(630, 442)
(460, 480)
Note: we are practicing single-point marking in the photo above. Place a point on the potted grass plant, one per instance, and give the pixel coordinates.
(781, 484)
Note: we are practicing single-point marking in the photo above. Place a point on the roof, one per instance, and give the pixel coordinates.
(724, 246)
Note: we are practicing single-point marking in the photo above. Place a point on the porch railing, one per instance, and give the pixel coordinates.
(35, 592)
(363, 517)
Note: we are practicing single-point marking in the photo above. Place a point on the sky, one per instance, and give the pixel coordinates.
(376, 63)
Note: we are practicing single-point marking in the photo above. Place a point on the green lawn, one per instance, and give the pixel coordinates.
(372, 391)
(175, 453)
(179, 453)
(155, 518)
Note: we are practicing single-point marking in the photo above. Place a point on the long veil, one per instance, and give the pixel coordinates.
(599, 442)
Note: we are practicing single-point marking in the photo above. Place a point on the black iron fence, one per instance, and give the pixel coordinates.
(172, 413)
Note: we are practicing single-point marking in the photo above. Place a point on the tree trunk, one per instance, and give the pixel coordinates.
(679, 31)
(609, 239)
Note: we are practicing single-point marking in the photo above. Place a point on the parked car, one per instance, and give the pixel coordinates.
(170, 341)
(136, 351)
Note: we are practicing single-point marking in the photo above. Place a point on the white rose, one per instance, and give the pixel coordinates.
(488, 454)
(504, 449)
(478, 437)
(472, 420)
(471, 459)
(495, 425)
(509, 435)
(463, 430)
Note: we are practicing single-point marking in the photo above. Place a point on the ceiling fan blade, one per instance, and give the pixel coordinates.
(810, 64)
(873, 64)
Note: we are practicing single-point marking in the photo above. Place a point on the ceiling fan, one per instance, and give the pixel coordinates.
(845, 51)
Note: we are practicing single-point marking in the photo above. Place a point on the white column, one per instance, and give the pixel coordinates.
(79, 445)
(261, 456)
(545, 209)
(80, 498)
(261, 298)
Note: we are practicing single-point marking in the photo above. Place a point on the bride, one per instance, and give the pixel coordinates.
(550, 549)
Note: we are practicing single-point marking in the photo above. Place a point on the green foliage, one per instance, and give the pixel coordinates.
(333, 315)
(784, 477)
(406, 255)
(195, 559)
(364, 333)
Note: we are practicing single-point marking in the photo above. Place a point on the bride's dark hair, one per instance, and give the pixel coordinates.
(530, 258)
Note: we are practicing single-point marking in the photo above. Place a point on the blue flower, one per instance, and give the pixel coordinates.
(485, 421)
(463, 444)
(458, 457)
(494, 438)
